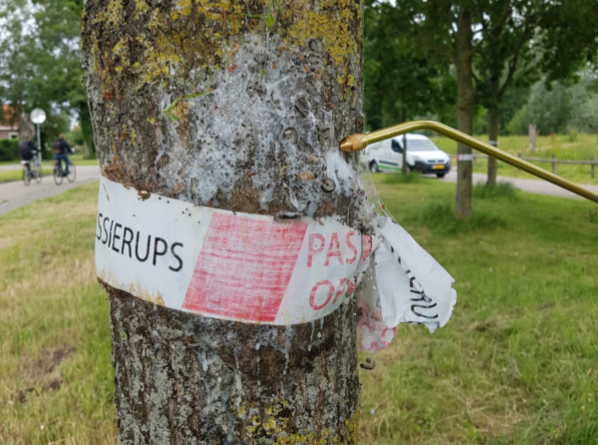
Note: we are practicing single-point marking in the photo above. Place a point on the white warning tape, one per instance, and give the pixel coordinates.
(253, 269)
(466, 157)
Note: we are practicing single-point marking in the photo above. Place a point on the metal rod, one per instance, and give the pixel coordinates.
(357, 142)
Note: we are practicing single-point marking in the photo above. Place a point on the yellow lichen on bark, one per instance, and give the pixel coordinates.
(191, 34)
(141, 7)
(275, 426)
(194, 34)
(195, 40)
(113, 14)
(332, 24)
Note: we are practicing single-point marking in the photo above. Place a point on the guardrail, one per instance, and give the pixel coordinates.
(592, 162)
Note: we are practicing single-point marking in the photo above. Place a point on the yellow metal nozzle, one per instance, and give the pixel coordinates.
(357, 142)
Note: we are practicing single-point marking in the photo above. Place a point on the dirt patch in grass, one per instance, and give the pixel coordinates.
(43, 375)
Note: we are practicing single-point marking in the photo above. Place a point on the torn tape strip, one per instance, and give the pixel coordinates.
(222, 264)
(411, 287)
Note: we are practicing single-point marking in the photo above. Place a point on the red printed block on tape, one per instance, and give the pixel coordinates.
(244, 268)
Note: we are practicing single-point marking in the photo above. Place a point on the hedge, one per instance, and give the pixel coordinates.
(9, 150)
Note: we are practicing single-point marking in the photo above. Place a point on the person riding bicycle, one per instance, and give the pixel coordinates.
(27, 151)
(61, 149)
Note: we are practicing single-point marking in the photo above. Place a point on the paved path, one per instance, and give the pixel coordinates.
(10, 167)
(527, 185)
(15, 194)
(17, 166)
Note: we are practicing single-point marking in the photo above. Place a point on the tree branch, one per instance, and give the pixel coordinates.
(496, 29)
(513, 63)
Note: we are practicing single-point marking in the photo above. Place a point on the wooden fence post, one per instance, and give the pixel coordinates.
(592, 159)
(532, 138)
(553, 164)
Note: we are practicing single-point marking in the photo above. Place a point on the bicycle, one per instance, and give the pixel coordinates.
(32, 172)
(59, 173)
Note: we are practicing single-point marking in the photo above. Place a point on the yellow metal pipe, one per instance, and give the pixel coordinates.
(357, 142)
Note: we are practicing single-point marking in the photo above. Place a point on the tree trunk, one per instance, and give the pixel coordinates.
(19, 119)
(464, 108)
(86, 130)
(531, 130)
(493, 137)
(85, 150)
(238, 106)
(404, 168)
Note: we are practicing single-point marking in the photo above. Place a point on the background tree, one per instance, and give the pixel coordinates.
(458, 31)
(555, 107)
(15, 68)
(40, 65)
(512, 101)
(504, 57)
(401, 81)
(584, 103)
(240, 106)
(549, 107)
(445, 30)
(516, 36)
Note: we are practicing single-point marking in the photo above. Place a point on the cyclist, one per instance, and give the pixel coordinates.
(61, 149)
(27, 151)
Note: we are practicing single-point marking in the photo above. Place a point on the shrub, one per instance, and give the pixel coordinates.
(573, 135)
(9, 150)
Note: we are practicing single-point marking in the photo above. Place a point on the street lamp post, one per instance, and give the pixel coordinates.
(38, 117)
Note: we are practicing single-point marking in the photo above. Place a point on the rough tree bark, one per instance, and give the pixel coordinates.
(493, 138)
(237, 105)
(465, 108)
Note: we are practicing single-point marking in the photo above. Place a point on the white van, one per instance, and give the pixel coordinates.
(422, 155)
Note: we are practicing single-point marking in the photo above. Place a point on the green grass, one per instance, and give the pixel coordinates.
(399, 178)
(17, 175)
(517, 363)
(561, 146)
(502, 190)
(55, 373)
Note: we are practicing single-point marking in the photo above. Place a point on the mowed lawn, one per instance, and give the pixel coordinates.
(517, 363)
(561, 146)
(56, 380)
(15, 173)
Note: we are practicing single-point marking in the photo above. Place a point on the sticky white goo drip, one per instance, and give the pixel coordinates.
(249, 117)
(406, 285)
(375, 205)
